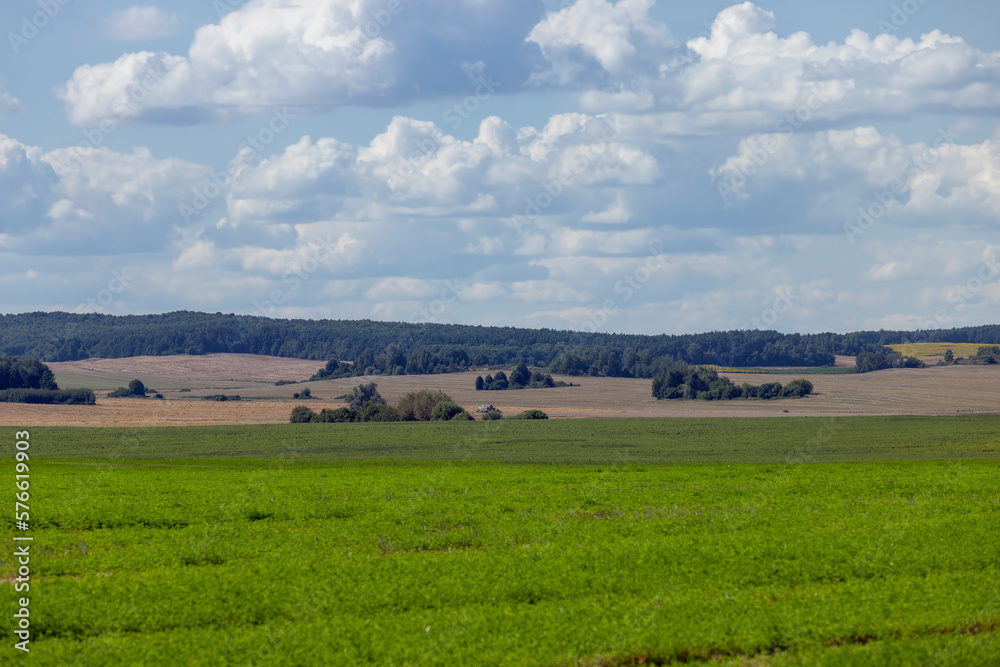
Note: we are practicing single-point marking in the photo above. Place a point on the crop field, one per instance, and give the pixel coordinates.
(927, 350)
(593, 542)
(935, 390)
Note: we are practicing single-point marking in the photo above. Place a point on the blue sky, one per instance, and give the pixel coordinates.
(614, 166)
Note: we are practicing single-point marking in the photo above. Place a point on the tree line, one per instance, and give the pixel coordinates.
(393, 348)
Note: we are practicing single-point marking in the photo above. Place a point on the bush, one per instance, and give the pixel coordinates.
(135, 389)
(48, 396)
(376, 412)
(305, 394)
(419, 405)
(221, 397)
(158, 396)
(338, 416)
(302, 415)
(798, 388)
(463, 416)
(492, 415)
(530, 414)
(280, 383)
(445, 410)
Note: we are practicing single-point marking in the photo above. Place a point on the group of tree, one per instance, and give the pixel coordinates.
(366, 404)
(25, 374)
(520, 378)
(883, 357)
(986, 354)
(392, 348)
(682, 381)
(31, 381)
(135, 389)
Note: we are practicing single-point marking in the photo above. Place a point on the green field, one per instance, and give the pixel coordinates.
(597, 542)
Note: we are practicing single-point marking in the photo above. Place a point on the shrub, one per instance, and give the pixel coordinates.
(492, 415)
(445, 410)
(798, 388)
(221, 397)
(338, 416)
(305, 394)
(135, 389)
(158, 396)
(378, 412)
(419, 405)
(49, 396)
(302, 415)
(280, 383)
(530, 414)
(463, 416)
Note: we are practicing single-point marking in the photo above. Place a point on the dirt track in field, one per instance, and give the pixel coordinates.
(936, 390)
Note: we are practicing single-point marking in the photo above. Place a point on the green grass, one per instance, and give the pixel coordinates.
(577, 441)
(521, 543)
(473, 563)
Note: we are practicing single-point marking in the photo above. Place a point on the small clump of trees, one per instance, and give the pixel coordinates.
(366, 404)
(520, 378)
(222, 397)
(135, 389)
(882, 358)
(31, 381)
(682, 381)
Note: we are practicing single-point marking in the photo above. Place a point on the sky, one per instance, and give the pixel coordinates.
(630, 166)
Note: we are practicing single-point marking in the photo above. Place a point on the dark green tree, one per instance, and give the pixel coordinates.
(519, 377)
(363, 394)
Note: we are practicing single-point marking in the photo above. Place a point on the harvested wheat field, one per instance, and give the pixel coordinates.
(181, 370)
(925, 391)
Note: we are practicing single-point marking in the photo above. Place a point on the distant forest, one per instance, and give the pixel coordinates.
(399, 348)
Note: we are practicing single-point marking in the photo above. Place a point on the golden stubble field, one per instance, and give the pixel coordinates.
(934, 390)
